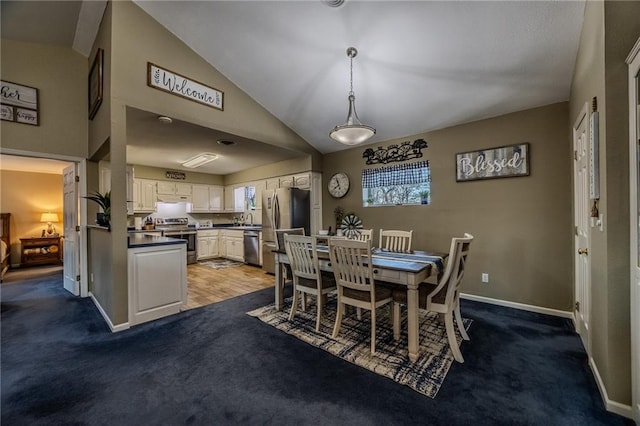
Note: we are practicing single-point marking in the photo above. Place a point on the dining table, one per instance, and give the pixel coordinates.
(408, 268)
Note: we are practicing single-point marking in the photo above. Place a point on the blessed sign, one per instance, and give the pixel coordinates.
(179, 85)
(504, 161)
(18, 103)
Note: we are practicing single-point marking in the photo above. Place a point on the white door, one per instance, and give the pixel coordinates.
(71, 251)
(582, 264)
(634, 201)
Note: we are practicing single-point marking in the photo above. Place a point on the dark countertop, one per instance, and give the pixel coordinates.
(137, 240)
(234, 227)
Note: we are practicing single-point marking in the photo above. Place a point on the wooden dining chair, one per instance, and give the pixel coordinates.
(394, 240)
(363, 235)
(355, 281)
(280, 245)
(444, 297)
(307, 277)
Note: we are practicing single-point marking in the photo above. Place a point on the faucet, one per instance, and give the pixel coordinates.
(250, 214)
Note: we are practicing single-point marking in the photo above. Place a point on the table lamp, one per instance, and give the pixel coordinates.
(49, 218)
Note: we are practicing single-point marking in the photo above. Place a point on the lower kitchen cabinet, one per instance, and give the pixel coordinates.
(208, 244)
(234, 245)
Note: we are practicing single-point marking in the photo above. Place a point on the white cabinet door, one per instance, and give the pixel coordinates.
(229, 200)
(168, 188)
(286, 182)
(239, 198)
(203, 248)
(200, 200)
(260, 186)
(302, 181)
(183, 188)
(213, 247)
(216, 195)
(136, 195)
(273, 184)
(104, 183)
(144, 196)
(129, 176)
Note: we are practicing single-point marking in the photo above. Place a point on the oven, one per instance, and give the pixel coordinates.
(190, 237)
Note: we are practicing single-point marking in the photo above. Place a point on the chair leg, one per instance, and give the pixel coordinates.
(294, 304)
(336, 327)
(396, 321)
(373, 329)
(463, 332)
(304, 302)
(359, 313)
(319, 315)
(451, 335)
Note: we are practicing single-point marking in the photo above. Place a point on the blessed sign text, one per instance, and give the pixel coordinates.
(505, 161)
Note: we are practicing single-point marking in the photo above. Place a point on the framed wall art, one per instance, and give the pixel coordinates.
(492, 163)
(19, 103)
(95, 83)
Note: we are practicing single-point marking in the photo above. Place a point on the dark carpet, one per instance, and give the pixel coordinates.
(217, 366)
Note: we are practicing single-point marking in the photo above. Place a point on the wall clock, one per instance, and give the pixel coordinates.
(338, 185)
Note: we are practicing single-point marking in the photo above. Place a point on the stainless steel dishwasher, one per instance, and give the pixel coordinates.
(252, 247)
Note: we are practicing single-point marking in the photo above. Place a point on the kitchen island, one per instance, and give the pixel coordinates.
(157, 277)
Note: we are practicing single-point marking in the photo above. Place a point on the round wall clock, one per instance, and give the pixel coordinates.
(338, 185)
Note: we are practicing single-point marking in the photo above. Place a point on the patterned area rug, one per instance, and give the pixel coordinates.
(221, 263)
(353, 342)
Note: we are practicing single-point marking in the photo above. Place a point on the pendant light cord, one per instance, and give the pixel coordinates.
(351, 75)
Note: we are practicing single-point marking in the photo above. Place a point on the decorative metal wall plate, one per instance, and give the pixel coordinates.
(351, 226)
(403, 152)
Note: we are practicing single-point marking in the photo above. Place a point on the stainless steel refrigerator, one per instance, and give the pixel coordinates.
(282, 208)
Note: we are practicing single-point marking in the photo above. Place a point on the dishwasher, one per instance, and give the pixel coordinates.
(252, 247)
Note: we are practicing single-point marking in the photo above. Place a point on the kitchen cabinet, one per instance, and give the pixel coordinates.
(234, 245)
(316, 202)
(144, 196)
(207, 198)
(157, 278)
(273, 184)
(104, 182)
(174, 188)
(286, 182)
(234, 198)
(260, 186)
(302, 181)
(208, 243)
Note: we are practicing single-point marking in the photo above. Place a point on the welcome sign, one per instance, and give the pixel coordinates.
(179, 85)
(504, 161)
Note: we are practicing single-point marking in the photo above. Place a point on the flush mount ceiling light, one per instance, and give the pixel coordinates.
(199, 160)
(353, 131)
(333, 3)
(164, 119)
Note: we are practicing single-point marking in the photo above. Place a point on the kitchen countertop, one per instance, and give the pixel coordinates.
(234, 227)
(136, 240)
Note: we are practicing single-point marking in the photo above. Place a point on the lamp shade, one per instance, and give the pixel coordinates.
(49, 217)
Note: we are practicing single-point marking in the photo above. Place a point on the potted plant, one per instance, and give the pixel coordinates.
(370, 201)
(424, 197)
(104, 201)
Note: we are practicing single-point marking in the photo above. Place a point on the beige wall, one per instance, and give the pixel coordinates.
(281, 168)
(522, 225)
(155, 173)
(56, 73)
(26, 196)
(608, 34)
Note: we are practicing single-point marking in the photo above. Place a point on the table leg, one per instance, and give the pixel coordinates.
(279, 286)
(412, 320)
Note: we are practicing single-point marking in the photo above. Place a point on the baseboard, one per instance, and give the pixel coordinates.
(612, 406)
(114, 328)
(521, 306)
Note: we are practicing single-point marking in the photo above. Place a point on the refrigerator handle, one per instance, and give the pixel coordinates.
(276, 211)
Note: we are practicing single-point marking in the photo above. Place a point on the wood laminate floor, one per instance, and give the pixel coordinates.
(206, 285)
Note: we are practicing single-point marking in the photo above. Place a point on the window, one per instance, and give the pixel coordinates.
(405, 184)
(250, 197)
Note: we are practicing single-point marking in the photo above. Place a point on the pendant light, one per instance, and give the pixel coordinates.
(353, 131)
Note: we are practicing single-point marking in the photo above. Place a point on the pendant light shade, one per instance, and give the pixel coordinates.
(353, 131)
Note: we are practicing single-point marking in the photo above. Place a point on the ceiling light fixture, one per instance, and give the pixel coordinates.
(225, 142)
(199, 160)
(333, 3)
(165, 120)
(353, 131)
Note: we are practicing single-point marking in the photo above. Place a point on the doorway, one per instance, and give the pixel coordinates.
(34, 186)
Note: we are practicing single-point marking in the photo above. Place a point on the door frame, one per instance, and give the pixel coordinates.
(585, 335)
(633, 60)
(82, 189)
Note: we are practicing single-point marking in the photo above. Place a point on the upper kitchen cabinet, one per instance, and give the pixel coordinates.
(104, 183)
(260, 187)
(207, 198)
(286, 182)
(144, 195)
(174, 192)
(302, 181)
(234, 198)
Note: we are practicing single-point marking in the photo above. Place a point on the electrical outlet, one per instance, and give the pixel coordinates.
(485, 277)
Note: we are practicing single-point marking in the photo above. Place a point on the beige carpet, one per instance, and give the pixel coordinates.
(391, 360)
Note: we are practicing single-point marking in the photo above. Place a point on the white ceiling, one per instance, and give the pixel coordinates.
(422, 65)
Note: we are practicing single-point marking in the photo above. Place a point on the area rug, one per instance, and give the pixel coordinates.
(220, 263)
(391, 359)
